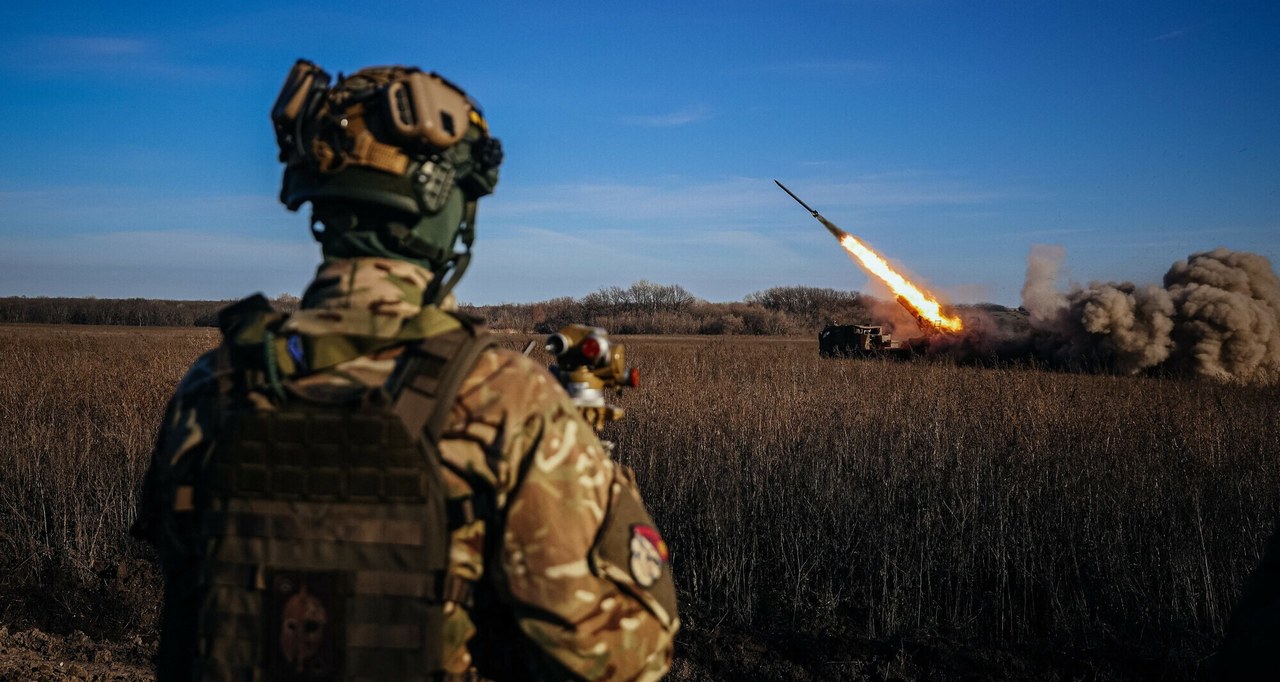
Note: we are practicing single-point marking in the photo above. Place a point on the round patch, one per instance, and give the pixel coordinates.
(648, 554)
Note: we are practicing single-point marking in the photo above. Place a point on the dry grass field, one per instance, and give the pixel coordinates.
(829, 519)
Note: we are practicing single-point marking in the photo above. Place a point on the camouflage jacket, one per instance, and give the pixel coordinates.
(568, 595)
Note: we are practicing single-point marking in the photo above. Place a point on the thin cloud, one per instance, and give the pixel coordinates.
(1171, 35)
(1052, 232)
(209, 264)
(829, 66)
(111, 208)
(675, 119)
(83, 52)
(94, 47)
(192, 248)
(121, 57)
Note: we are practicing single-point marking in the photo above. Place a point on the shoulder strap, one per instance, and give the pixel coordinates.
(426, 387)
(249, 339)
(244, 320)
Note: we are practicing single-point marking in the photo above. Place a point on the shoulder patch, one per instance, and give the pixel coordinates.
(297, 351)
(649, 554)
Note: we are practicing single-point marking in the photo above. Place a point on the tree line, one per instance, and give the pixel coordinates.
(138, 312)
(643, 308)
(650, 308)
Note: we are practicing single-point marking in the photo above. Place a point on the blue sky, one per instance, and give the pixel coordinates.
(642, 140)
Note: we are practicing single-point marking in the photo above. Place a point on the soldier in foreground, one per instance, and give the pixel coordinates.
(367, 489)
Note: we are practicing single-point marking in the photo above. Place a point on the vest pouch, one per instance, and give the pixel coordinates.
(326, 544)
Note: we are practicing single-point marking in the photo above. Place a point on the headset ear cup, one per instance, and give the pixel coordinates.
(481, 176)
(487, 152)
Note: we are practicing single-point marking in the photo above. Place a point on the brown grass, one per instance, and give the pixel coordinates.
(828, 518)
(848, 501)
(78, 412)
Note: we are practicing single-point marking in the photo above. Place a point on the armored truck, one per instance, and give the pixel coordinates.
(858, 340)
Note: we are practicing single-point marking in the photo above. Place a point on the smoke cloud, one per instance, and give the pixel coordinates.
(1216, 315)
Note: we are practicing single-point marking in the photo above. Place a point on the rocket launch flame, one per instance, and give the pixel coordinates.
(918, 301)
(925, 305)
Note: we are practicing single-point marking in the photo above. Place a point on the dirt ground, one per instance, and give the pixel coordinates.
(39, 656)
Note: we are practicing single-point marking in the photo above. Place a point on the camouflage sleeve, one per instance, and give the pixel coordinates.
(182, 432)
(578, 559)
(165, 513)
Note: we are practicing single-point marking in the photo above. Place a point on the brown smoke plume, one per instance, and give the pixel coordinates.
(1217, 315)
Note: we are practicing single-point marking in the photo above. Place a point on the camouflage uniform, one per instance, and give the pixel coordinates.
(562, 593)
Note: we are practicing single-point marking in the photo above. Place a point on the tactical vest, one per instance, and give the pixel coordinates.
(325, 526)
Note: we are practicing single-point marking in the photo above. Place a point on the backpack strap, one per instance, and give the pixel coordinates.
(424, 392)
(425, 389)
(248, 342)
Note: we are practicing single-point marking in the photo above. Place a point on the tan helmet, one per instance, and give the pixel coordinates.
(397, 140)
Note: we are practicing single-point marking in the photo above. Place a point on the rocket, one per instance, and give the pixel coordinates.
(839, 233)
(886, 274)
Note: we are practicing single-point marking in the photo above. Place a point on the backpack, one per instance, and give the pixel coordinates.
(325, 524)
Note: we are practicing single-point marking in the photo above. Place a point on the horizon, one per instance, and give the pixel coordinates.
(642, 143)
(888, 298)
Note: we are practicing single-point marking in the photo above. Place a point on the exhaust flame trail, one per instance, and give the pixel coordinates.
(926, 305)
(920, 303)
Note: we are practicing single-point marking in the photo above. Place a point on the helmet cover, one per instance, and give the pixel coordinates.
(395, 142)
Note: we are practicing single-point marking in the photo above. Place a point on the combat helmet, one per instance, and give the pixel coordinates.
(393, 160)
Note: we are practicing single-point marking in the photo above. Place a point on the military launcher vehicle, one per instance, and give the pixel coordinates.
(858, 340)
(862, 340)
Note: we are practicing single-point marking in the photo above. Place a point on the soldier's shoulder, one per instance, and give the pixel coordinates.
(257, 304)
(512, 378)
(201, 375)
(503, 364)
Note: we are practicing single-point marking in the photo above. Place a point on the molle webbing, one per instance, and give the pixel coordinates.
(321, 456)
(327, 532)
(328, 512)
